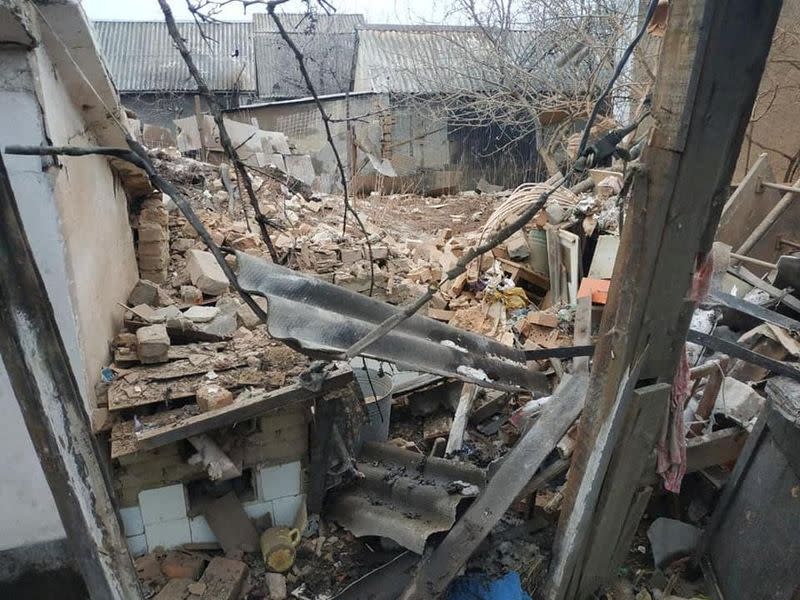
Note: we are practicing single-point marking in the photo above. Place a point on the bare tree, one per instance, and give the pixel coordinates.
(532, 68)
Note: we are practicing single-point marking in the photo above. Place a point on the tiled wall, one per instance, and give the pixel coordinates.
(161, 518)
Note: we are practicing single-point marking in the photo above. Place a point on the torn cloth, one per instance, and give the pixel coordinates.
(671, 446)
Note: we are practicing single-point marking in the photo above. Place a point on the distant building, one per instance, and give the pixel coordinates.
(153, 79)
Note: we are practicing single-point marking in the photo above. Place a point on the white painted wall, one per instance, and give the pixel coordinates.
(75, 217)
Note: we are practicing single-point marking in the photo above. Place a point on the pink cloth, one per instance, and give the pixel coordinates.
(671, 447)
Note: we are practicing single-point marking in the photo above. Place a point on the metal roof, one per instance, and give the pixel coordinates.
(326, 41)
(426, 59)
(303, 23)
(142, 57)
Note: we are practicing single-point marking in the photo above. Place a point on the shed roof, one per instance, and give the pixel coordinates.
(434, 58)
(327, 42)
(142, 57)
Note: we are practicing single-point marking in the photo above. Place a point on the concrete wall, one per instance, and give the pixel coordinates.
(163, 109)
(75, 216)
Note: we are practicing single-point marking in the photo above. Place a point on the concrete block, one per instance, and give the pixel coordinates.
(210, 396)
(205, 273)
(279, 481)
(201, 314)
(191, 295)
(144, 292)
(159, 505)
(132, 522)
(247, 317)
(301, 167)
(276, 584)
(137, 544)
(200, 531)
(671, 540)
(168, 534)
(286, 509)
(152, 344)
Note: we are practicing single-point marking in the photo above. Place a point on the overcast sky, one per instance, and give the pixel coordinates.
(375, 11)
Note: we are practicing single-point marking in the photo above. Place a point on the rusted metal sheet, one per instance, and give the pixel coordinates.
(404, 496)
(323, 319)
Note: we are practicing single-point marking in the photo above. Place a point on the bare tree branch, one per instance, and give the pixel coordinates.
(224, 138)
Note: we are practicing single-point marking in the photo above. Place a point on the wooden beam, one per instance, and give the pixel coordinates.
(700, 115)
(755, 281)
(582, 336)
(45, 387)
(456, 438)
(715, 448)
(256, 404)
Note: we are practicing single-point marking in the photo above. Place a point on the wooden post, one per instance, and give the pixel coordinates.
(700, 115)
(54, 413)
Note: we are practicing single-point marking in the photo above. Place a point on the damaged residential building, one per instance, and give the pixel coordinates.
(224, 377)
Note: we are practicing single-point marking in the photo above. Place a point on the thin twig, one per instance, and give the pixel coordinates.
(224, 138)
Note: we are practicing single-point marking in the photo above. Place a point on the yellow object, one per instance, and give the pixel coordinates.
(512, 298)
(278, 546)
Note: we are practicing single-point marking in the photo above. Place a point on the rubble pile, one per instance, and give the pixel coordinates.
(193, 359)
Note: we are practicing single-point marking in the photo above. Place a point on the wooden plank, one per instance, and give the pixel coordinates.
(715, 448)
(755, 281)
(582, 336)
(735, 350)
(748, 205)
(700, 116)
(456, 438)
(46, 389)
(437, 571)
(754, 310)
(633, 456)
(254, 405)
(231, 526)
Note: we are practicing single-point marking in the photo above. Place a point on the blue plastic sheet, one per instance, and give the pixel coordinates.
(480, 587)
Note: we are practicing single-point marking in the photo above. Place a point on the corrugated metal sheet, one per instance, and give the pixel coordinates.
(303, 23)
(142, 57)
(424, 59)
(327, 42)
(329, 61)
(404, 496)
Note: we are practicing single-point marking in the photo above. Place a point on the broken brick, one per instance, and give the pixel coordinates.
(152, 344)
(212, 397)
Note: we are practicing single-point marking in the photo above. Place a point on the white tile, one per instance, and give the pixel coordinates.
(168, 534)
(286, 509)
(201, 532)
(137, 544)
(256, 510)
(163, 504)
(279, 481)
(132, 522)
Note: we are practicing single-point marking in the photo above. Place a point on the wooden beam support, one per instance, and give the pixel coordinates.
(54, 413)
(255, 405)
(700, 115)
